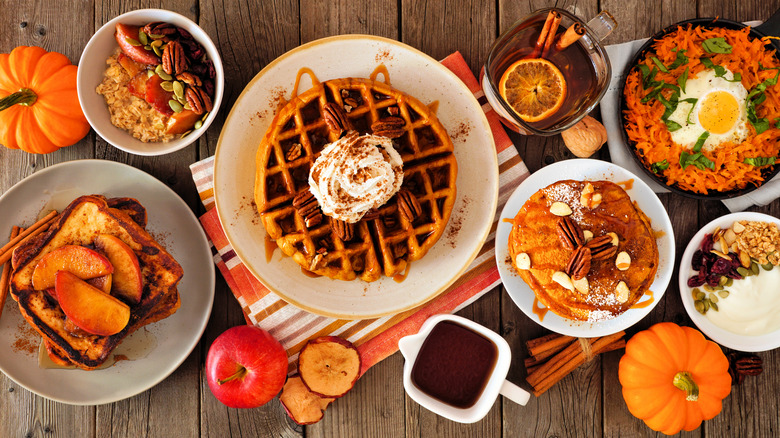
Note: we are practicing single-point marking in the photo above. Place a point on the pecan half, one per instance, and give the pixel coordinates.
(308, 208)
(335, 118)
(189, 79)
(408, 205)
(344, 230)
(579, 263)
(601, 247)
(174, 61)
(294, 152)
(159, 28)
(371, 215)
(741, 365)
(570, 233)
(199, 101)
(390, 127)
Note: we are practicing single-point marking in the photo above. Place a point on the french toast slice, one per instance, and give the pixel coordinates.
(78, 224)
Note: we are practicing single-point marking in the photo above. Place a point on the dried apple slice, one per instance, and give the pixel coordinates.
(302, 405)
(329, 366)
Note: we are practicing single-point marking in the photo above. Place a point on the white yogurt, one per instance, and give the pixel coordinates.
(752, 307)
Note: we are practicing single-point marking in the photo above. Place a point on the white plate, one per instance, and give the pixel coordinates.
(580, 169)
(410, 71)
(723, 337)
(176, 228)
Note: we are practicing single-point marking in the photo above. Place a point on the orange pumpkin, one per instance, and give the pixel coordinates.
(673, 378)
(39, 105)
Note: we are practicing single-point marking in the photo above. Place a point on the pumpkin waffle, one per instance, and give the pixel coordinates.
(385, 240)
(78, 224)
(618, 255)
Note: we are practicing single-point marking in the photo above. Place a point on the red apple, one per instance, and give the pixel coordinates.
(246, 367)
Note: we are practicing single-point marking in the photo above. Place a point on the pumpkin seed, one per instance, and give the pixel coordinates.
(700, 295)
(754, 268)
(178, 89)
(699, 305)
(695, 292)
(198, 124)
(706, 304)
(186, 134)
(723, 293)
(723, 280)
(149, 73)
(714, 306)
(187, 106)
(181, 100)
(175, 106)
(155, 36)
(157, 51)
(207, 114)
(133, 42)
(167, 86)
(713, 298)
(143, 38)
(156, 43)
(743, 272)
(729, 282)
(147, 48)
(707, 287)
(161, 73)
(767, 266)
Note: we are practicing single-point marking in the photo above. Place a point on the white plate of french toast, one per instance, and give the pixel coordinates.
(356, 186)
(111, 291)
(585, 248)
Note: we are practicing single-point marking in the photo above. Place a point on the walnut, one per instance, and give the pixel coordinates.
(585, 138)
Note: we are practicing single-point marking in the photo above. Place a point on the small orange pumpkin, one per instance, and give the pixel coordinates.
(673, 378)
(39, 105)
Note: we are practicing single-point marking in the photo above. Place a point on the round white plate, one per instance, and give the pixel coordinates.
(172, 339)
(582, 169)
(723, 337)
(410, 71)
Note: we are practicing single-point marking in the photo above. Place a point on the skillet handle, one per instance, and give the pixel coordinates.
(771, 26)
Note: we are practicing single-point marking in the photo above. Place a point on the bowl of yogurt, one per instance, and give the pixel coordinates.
(729, 278)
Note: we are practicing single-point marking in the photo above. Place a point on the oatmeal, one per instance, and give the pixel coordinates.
(128, 112)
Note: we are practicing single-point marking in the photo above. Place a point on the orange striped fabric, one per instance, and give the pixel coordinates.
(376, 338)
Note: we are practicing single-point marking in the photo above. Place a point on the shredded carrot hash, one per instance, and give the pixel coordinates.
(651, 137)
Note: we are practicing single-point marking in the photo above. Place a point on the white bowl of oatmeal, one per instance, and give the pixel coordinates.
(129, 122)
(739, 312)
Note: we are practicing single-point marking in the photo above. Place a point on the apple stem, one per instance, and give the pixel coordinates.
(240, 373)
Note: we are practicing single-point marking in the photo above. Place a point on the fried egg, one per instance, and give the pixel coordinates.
(719, 109)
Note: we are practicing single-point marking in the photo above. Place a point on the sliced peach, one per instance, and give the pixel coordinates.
(132, 67)
(179, 123)
(329, 366)
(302, 405)
(89, 308)
(137, 85)
(128, 282)
(103, 282)
(124, 34)
(79, 260)
(158, 97)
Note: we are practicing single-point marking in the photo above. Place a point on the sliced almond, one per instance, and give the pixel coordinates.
(716, 234)
(721, 255)
(614, 237)
(563, 279)
(585, 195)
(560, 209)
(621, 292)
(738, 227)
(587, 235)
(522, 261)
(724, 247)
(623, 261)
(581, 285)
(734, 248)
(744, 259)
(730, 236)
(595, 200)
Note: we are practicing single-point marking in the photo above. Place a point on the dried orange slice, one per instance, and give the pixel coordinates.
(534, 88)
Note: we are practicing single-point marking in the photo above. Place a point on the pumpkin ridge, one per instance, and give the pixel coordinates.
(23, 62)
(50, 69)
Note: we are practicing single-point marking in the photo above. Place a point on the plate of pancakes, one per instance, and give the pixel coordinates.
(388, 261)
(585, 248)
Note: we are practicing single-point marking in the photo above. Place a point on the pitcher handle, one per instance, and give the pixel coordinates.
(602, 25)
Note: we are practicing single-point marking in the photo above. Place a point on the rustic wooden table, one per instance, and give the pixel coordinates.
(250, 34)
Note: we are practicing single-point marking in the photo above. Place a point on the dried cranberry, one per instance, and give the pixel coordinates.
(713, 279)
(185, 34)
(208, 85)
(706, 244)
(734, 274)
(697, 260)
(721, 266)
(212, 70)
(695, 281)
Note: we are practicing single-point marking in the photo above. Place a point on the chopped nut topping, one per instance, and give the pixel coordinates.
(623, 261)
(581, 285)
(614, 236)
(294, 152)
(621, 292)
(560, 209)
(587, 236)
(563, 279)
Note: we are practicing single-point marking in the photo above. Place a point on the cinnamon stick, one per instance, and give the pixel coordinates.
(572, 34)
(545, 34)
(38, 227)
(551, 35)
(552, 341)
(5, 279)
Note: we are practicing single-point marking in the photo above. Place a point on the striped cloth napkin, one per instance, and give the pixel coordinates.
(376, 338)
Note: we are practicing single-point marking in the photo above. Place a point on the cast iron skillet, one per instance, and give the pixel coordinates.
(770, 27)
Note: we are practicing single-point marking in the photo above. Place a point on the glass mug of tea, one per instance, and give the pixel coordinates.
(548, 71)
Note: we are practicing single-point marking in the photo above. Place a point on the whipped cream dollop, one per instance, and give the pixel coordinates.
(354, 174)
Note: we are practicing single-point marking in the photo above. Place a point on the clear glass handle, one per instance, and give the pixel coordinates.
(602, 25)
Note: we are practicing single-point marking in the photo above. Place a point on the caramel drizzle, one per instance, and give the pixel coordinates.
(380, 69)
(646, 302)
(539, 311)
(627, 184)
(270, 247)
(304, 71)
(399, 278)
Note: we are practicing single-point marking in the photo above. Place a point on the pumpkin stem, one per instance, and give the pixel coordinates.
(684, 382)
(24, 97)
(239, 374)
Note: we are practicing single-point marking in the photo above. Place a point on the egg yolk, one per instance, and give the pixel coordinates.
(718, 112)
